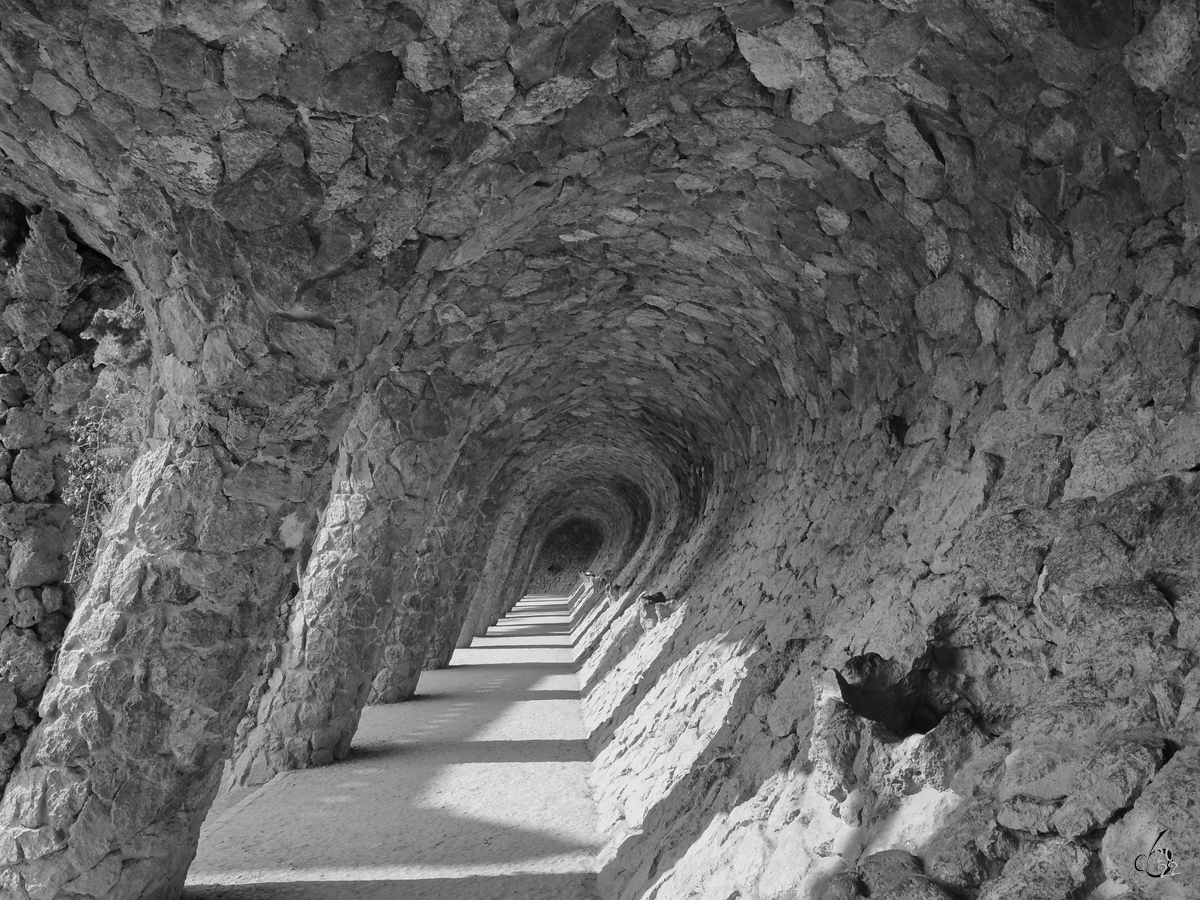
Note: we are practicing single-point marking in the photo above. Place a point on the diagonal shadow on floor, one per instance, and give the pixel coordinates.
(475, 789)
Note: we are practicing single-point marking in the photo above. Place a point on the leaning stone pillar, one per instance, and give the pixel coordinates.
(152, 675)
(500, 551)
(315, 697)
(362, 559)
(454, 603)
(412, 630)
(428, 614)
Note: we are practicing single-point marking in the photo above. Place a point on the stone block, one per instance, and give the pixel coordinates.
(426, 65)
(597, 120)
(481, 34)
(1170, 549)
(945, 306)
(364, 86)
(1158, 57)
(269, 195)
(183, 62)
(36, 560)
(1006, 551)
(833, 747)
(47, 267)
(946, 748)
(1068, 789)
(814, 94)
(897, 875)
(791, 703)
(251, 63)
(119, 64)
(55, 95)
(587, 39)
(23, 429)
(1135, 848)
(27, 609)
(1107, 460)
(24, 662)
(1049, 870)
(1089, 557)
(98, 880)
(486, 94)
(534, 54)
(1108, 23)
(32, 476)
(8, 705)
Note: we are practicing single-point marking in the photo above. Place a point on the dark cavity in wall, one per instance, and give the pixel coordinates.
(566, 553)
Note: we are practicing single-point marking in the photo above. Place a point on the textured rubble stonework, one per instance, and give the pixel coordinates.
(50, 287)
(864, 331)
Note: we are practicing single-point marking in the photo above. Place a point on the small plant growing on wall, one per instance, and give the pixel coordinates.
(108, 429)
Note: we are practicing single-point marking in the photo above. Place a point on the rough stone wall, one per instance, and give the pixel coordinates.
(989, 529)
(1048, 610)
(886, 308)
(49, 290)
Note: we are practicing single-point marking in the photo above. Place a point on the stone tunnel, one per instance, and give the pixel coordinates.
(864, 330)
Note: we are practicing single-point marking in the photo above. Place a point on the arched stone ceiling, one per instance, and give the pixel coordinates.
(581, 218)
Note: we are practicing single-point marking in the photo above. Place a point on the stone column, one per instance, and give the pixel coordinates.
(474, 536)
(362, 558)
(499, 556)
(456, 605)
(450, 554)
(411, 633)
(152, 676)
(310, 710)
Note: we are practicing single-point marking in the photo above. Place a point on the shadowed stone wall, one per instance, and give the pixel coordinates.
(565, 554)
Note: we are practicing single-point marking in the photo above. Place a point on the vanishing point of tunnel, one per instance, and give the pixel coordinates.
(829, 366)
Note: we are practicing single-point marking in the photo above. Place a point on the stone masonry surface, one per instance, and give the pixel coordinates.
(864, 330)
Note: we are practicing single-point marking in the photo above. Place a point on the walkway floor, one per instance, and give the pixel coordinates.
(476, 789)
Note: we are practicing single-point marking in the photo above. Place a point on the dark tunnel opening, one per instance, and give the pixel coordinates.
(565, 554)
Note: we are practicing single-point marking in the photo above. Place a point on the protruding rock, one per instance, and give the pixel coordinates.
(1046, 871)
(32, 476)
(814, 93)
(777, 56)
(216, 20)
(1159, 56)
(24, 662)
(273, 193)
(487, 93)
(479, 36)
(119, 63)
(944, 306)
(46, 269)
(183, 62)
(1149, 847)
(23, 429)
(1070, 790)
(897, 875)
(61, 98)
(595, 121)
(587, 39)
(311, 345)
(364, 86)
(251, 63)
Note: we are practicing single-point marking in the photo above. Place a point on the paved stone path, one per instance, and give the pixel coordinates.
(474, 790)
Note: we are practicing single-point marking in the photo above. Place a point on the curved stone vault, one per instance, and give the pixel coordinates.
(865, 330)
